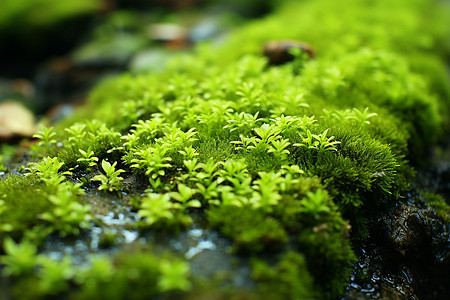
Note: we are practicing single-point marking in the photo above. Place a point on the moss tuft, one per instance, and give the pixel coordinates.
(250, 230)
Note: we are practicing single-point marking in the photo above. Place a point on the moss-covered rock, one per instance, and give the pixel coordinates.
(292, 162)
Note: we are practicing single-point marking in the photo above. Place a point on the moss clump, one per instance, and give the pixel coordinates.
(19, 191)
(439, 204)
(327, 253)
(49, 203)
(251, 231)
(135, 274)
(287, 279)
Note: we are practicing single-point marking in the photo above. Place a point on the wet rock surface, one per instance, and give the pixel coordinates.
(408, 253)
(407, 256)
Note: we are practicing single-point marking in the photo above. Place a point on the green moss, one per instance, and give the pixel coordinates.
(328, 254)
(439, 204)
(136, 277)
(46, 203)
(321, 232)
(251, 231)
(20, 192)
(136, 274)
(287, 279)
(161, 214)
(311, 215)
(142, 275)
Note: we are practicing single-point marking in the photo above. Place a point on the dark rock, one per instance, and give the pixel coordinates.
(280, 52)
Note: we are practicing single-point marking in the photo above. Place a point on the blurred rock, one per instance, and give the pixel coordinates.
(16, 121)
(114, 52)
(172, 35)
(150, 60)
(280, 52)
(23, 87)
(18, 89)
(205, 29)
(60, 112)
(62, 80)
